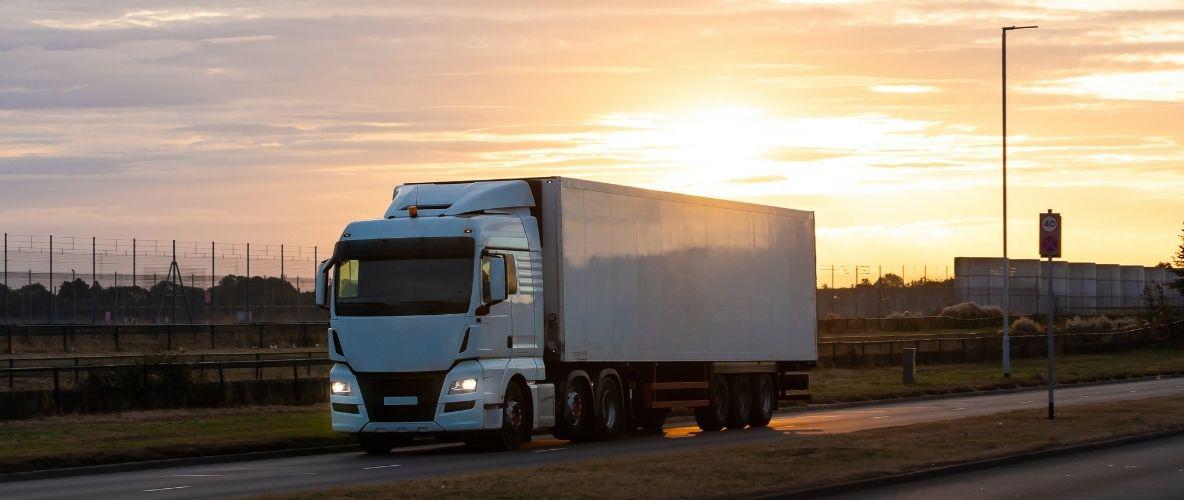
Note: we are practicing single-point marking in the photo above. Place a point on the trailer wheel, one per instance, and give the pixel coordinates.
(763, 401)
(609, 408)
(713, 416)
(741, 402)
(375, 443)
(575, 410)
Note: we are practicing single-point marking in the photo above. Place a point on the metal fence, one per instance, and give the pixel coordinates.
(56, 279)
(123, 386)
(92, 280)
(971, 349)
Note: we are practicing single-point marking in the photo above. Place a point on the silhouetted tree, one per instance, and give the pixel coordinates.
(1178, 265)
(890, 280)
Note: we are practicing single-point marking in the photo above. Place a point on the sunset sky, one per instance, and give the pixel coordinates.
(281, 121)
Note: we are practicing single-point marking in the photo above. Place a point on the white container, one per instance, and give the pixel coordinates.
(656, 276)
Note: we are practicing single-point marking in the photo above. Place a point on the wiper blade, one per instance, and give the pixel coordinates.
(361, 302)
(430, 302)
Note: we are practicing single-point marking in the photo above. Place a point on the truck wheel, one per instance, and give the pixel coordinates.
(741, 402)
(763, 401)
(516, 414)
(380, 443)
(575, 410)
(609, 409)
(713, 416)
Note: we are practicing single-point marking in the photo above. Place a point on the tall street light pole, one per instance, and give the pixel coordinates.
(1006, 262)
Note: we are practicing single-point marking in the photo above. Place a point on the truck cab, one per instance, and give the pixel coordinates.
(436, 318)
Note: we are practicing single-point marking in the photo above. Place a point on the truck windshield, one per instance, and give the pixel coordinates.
(405, 286)
(403, 276)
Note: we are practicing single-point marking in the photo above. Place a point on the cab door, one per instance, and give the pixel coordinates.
(495, 315)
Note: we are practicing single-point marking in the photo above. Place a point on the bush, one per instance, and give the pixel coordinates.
(1099, 324)
(1090, 325)
(1128, 323)
(970, 310)
(1024, 324)
(902, 315)
(832, 316)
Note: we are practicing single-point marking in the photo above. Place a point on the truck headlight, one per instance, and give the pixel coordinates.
(463, 386)
(340, 388)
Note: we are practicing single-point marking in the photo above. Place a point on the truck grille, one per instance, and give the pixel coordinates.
(425, 387)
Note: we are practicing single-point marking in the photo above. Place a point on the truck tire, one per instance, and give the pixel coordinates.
(380, 443)
(516, 415)
(713, 416)
(741, 407)
(609, 409)
(574, 412)
(516, 425)
(763, 401)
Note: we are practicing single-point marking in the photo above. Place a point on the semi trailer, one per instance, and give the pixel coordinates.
(492, 310)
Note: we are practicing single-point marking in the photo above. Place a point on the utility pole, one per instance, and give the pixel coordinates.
(94, 279)
(1006, 299)
(53, 298)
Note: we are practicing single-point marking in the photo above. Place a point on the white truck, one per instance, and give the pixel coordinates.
(493, 309)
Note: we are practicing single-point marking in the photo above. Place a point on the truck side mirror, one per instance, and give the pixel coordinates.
(497, 279)
(322, 291)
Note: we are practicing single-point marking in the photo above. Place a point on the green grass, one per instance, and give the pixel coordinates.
(96, 439)
(831, 385)
(794, 460)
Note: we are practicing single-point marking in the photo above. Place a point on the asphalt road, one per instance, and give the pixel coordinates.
(355, 468)
(1149, 470)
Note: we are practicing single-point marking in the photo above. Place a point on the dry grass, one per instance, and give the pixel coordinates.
(1026, 325)
(796, 461)
(144, 435)
(971, 310)
(149, 435)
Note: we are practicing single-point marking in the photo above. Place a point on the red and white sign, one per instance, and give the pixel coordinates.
(1050, 235)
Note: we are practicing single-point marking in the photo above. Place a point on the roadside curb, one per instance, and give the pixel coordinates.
(174, 462)
(907, 477)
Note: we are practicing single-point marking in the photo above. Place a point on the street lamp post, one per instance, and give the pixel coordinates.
(1006, 262)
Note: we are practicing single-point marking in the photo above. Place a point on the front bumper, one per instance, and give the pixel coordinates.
(468, 415)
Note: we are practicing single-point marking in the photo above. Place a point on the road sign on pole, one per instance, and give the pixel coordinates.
(1050, 247)
(1050, 234)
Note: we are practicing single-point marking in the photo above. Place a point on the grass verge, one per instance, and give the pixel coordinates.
(78, 440)
(835, 385)
(797, 461)
(73, 441)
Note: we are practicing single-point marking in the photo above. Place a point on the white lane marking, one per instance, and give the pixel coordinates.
(166, 489)
(958, 409)
(380, 467)
(1132, 391)
(1025, 402)
(546, 450)
(1082, 397)
(882, 416)
(197, 475)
